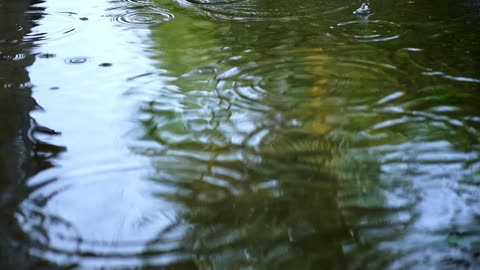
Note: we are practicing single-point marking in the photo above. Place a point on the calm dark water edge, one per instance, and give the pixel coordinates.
(239, 134)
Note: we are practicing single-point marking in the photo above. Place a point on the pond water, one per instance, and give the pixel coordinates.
(239, 134)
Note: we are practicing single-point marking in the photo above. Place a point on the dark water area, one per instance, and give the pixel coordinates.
(239, 134)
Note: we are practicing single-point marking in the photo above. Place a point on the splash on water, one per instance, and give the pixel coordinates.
(364, 10)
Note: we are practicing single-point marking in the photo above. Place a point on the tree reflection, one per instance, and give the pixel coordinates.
(284, 146)
(21, 154)
(247, 171)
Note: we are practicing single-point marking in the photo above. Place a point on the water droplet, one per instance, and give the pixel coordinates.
(364, 10)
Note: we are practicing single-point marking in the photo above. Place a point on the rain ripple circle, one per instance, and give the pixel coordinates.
(366, 30)
(272, 84)
(76, 60)
(143, 17)
(67, 23)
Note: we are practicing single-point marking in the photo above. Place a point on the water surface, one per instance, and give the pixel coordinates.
(240, 134)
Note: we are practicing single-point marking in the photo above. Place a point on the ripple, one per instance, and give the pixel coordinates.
(139, 18)
(413, 203)
(57, 240)
(450, 77)
(279, 83)
(76, 60)
(366, 30)
(242, 10)
(60, 25)
(434, 67)
(345, 109)
(138, 228)
(256, 97)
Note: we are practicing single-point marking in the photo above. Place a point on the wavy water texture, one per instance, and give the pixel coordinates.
(363, 128)
(255, 134)
(260, 10)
